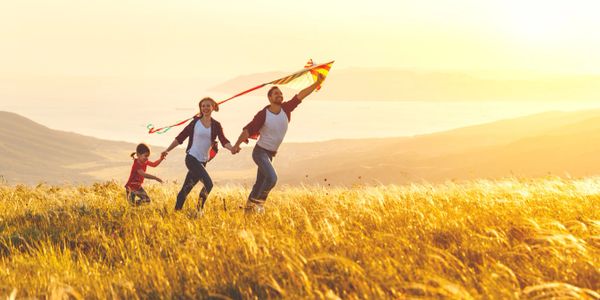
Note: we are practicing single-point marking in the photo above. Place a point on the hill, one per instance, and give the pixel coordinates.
(30, 152)
(559, 143)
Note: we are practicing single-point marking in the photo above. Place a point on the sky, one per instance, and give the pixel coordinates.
(222, 39)
(63, 62)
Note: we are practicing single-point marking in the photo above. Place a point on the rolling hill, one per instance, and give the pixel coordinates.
(30, 152)
(558, 143)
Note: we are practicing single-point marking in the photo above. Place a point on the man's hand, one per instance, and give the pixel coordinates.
(320, 78)
(236, 149)
(308, 90)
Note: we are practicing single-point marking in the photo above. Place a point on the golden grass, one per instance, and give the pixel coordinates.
(515, 238)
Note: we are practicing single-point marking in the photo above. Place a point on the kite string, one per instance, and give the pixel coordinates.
(242, 93)
(166, 128)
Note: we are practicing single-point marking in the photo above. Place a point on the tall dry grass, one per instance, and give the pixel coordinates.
(509, 239)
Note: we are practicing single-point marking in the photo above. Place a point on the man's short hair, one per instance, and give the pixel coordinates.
(271, 90)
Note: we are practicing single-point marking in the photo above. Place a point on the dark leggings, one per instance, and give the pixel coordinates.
(138, 196)
(196, 172)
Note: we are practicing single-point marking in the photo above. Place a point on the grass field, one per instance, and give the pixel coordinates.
(507, 239)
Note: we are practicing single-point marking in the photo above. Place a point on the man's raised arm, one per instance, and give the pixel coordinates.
(307, 91)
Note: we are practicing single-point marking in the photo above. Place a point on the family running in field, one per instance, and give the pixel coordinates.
(269, 125)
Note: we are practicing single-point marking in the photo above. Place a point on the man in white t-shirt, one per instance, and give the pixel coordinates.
(269, 125)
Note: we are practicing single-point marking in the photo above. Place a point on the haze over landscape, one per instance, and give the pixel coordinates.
(553, 143)
(451, 152)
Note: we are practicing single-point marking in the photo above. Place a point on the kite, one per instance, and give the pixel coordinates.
(303, 78)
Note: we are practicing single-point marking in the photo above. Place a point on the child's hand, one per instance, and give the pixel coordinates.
(159, 180)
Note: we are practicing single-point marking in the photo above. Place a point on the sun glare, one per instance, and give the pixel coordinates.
(538, 21)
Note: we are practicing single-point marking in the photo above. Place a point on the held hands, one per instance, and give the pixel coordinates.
(163, 155)
(235, 150)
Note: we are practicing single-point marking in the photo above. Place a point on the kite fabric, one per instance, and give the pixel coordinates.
(303, 78)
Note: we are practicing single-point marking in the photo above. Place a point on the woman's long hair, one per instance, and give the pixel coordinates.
(214, 103)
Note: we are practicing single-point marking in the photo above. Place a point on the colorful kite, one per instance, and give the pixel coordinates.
(303, 78)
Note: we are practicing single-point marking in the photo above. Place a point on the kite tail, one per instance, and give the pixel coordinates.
(162, 130)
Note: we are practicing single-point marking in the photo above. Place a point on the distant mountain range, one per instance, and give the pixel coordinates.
(558, 143)
(404, 85)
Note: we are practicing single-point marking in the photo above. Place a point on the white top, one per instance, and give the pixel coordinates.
(273, 131)
(201, 143)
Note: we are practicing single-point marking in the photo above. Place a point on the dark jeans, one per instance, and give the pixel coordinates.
(196, 172)
(266, 177)
(137, 197)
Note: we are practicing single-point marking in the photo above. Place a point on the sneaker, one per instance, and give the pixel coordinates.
(260, 209)
(255, 206)
(249, 207)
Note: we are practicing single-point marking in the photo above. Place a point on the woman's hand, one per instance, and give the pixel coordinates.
(236, 149)
(233, 149)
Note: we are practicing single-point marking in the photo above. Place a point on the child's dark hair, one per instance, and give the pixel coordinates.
(141, 149)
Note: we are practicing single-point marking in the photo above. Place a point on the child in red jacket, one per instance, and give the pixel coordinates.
(138, 173)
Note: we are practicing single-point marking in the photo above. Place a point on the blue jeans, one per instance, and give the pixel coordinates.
(266, 177)
(196, 172)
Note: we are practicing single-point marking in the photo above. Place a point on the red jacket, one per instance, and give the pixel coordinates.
(215, 131)
(259, 119)
(135, 180)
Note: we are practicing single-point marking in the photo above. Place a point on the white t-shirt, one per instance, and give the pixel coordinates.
(273, 131)
(202, 142)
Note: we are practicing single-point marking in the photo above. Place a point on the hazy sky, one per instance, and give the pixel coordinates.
(191, 38)
(108, 68)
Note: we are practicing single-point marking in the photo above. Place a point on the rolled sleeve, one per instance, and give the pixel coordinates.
(257, 122)
(184, 134)
(224, 141)
(289, 106)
